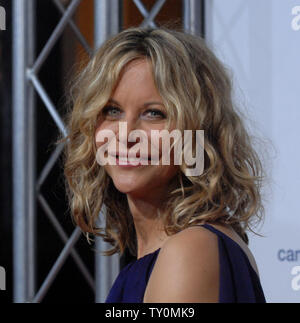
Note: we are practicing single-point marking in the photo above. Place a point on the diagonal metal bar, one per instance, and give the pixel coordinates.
(154, 11)
(47, 101)
(77, 32)
(57, 266)
(144, 11)
(49, 165)
(77, 259)
(55, 35)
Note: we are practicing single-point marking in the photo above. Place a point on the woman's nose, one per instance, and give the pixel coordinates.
(126, 127)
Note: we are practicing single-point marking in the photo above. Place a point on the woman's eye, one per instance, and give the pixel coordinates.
(153, 113)
(110, 111)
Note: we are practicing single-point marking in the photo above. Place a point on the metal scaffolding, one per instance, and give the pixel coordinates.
(26, 185)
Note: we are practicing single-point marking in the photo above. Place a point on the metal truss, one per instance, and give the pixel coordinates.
(26, 187)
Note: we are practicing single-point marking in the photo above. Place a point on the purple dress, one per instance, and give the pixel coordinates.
(239, 282)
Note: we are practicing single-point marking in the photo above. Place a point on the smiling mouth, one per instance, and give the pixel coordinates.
(132, 159)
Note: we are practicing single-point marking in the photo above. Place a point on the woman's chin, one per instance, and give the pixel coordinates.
(128, 188)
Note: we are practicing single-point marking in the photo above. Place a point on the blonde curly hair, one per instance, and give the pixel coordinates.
(197, 93)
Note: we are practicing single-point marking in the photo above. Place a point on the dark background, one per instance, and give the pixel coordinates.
(69, 286)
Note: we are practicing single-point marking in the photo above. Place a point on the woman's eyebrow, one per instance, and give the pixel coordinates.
(145, 104)
(113, 101)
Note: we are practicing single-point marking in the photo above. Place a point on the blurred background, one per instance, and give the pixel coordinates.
(42, 43)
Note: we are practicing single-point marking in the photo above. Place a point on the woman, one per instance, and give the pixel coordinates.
(188, 232)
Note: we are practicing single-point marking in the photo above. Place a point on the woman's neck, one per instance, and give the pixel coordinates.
(148, 224)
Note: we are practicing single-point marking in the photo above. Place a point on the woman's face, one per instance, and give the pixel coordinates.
(136, 102)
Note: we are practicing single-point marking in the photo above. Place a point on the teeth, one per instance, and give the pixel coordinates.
(130, 160)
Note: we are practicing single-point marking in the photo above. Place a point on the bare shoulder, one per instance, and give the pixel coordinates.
(228, 231)
(186, 269)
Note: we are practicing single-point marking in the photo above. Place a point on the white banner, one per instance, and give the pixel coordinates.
(260, 42)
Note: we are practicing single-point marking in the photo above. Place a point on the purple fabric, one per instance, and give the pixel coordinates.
(239, 282)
